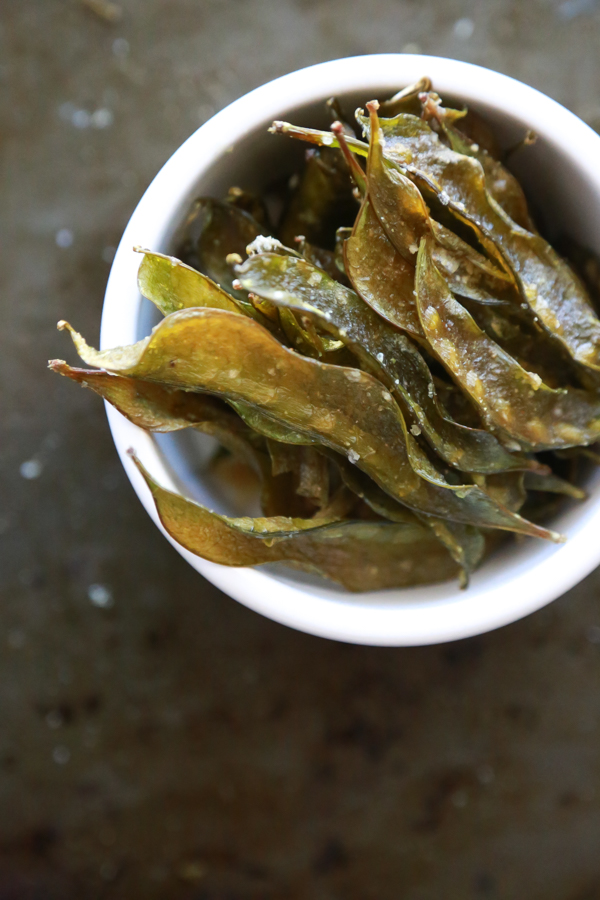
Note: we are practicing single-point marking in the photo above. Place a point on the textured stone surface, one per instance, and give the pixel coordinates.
(159, 740)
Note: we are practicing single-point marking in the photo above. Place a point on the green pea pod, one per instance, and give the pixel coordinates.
(405, 218)
(406, 100)
(322, 200)
(547, 284)
(156, 408)
(211, 232)
(382, 277)
(361, 556)
(251, 204)
(464, 543)
(389, 355)
(510, 399)
(348, 410)
(553, 485)
(500, 183)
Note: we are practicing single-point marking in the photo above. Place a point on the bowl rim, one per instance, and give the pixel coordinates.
(404, 617)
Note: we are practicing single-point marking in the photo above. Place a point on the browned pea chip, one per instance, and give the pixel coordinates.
(361, 556)
(321, 202)
(348, 410)
(405, 218)
(212, 231)
(157, 408)
(500, 183)
(511, 399)
(464, 543)
(553, 484)
(547, 284)
(389, 355)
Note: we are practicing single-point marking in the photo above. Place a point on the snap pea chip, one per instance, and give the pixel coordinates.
(405, 217)
(553, 484)
(157, 408)
(269, 427)
(464, 543)
(500, 183)
(389, 355)
(510, 399)
(361, 556)
(406, 100)
(212, 231)
(382, 277)
(321, 202)
(547, 284)
(348, 410)
(250, 204)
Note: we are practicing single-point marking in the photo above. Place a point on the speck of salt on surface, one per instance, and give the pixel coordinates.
(415, 430)
(61, 755)
(81, 119)
(380, 357)
(353, 456)
(64, 238)
(100, 595)
(102, 118)
(120, 47)
(464, 28)
(30, 469)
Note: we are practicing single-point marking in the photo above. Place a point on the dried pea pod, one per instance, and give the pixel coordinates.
(500, 183)
(361, 556)
(156, 408)
(389, 355)
(511, 399)
(348, 410)
(405, 217)
(547, 284)
(464, 543)
(211, 232)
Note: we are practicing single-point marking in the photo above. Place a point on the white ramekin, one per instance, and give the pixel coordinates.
(563, 176)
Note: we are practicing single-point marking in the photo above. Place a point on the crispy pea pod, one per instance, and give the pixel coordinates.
(382, 277)
(547, 284)
(500, 183)
(534, 481)
(510, 399)
(157, 408)
(348, 410)
(406, 100)
(389, 355)
(405, 218)
(361, 556)
(322, 200)
(251, 204)
(211, 232)
(465, 544)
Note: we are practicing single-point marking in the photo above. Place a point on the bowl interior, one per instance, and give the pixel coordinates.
(566, 201)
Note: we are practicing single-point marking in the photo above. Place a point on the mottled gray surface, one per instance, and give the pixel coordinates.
(174, 744)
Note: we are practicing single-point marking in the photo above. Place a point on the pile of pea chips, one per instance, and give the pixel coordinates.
(407, 366)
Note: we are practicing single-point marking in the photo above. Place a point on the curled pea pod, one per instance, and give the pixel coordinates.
(216, 352)
(389, 355)
(547, 284)
(211, 232)
(157, 408)
(361, 556)
(511, 400)
(500, 183)
(405, 217)
(464, 543)
(322, 200)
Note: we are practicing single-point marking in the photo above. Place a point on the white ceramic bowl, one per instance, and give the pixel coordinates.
(563, 177)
